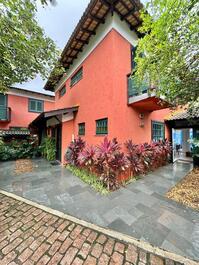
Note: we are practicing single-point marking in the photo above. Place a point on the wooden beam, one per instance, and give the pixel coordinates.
(91, 32)
(97, 19)
(124, 4)
(76, 49)
(130, 12)
(107, 3)
(82, 41)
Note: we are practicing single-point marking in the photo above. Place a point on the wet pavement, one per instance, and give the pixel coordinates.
(139, 210)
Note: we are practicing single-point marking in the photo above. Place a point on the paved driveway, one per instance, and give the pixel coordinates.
(139, 210)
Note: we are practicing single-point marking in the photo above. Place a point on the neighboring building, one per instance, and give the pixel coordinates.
(96, 97)
(18, 108)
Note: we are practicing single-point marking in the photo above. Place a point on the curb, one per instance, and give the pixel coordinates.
(117, 235)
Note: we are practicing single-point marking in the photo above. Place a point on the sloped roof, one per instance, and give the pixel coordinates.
(52, 113)
(94, 15)
(183, 115)
(14, 132)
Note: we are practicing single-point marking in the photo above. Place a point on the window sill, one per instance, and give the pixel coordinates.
(34, 111)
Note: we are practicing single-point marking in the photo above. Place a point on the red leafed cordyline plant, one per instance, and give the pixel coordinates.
(73, 151)
(87, 158)
(110, 162)
(146, 157)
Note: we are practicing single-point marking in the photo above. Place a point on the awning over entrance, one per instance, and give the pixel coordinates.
(57, 115)
(182, 119)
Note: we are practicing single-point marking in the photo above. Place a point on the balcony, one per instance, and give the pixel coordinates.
(5, 114)
(143, 97)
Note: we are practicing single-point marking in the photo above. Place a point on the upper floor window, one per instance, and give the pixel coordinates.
(102, 126)
(3, 100)
(81, 128)
(158, 131)
(62, 91)
(76, 77)
(35, 105)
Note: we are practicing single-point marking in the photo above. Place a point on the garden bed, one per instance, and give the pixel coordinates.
(187, 190)
(106, 167)
(89, 178)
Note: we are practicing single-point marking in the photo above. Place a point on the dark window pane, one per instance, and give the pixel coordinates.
(36, 105)
(62, 91)
(158, 131)
(76, 77)
(2, 100)
(102, 126)
(81, 128)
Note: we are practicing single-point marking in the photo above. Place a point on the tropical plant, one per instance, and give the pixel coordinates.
(73, 151)
(25, 49)
(17, 149)
(110, 162)
(48, 148)
(146, 157)
(89, 178)
(87, 157)
(170, 47)
(133, 155)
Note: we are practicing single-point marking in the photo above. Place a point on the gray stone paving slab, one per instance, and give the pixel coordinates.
(140, 209)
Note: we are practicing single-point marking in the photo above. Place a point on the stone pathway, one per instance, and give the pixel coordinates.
(31, 236)
(139, 210)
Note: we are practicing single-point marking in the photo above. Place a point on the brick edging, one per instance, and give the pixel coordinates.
(114, 234)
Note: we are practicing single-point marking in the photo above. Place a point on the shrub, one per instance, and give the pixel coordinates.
(87, 158)
(133, 156)
(146, 157)
(110, 162)
(48, 148)
(73, 151)
(161, 151)
(19, 149)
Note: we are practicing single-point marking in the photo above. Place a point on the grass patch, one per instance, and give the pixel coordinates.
(89, 178)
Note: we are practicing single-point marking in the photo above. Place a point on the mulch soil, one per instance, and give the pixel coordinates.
(187, 190)
(23, 166)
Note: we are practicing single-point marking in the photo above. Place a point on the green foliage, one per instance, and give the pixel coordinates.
(25, 49)
(195, 144)
(48, 148)
(89, 178)
(18, 149)
(171, 50)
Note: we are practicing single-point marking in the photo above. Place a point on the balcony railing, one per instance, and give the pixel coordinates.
(136, 90)
(5, 114)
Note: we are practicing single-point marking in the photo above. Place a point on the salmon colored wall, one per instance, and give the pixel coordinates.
(103, 93)
(20, 116)
(67, 132)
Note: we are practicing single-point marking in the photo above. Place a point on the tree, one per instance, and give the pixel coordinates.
(24, 48)
(171, 49)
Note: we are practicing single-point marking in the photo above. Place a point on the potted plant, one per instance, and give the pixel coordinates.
(195, 152)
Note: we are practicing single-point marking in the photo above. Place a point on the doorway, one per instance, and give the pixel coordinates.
(57, 134)
(182, 148)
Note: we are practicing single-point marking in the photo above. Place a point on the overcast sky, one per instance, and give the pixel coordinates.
(58, 22)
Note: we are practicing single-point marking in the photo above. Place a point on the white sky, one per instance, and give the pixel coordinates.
(58, 22)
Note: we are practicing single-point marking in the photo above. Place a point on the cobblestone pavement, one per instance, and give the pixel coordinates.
(30, 236)
(139, 210)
